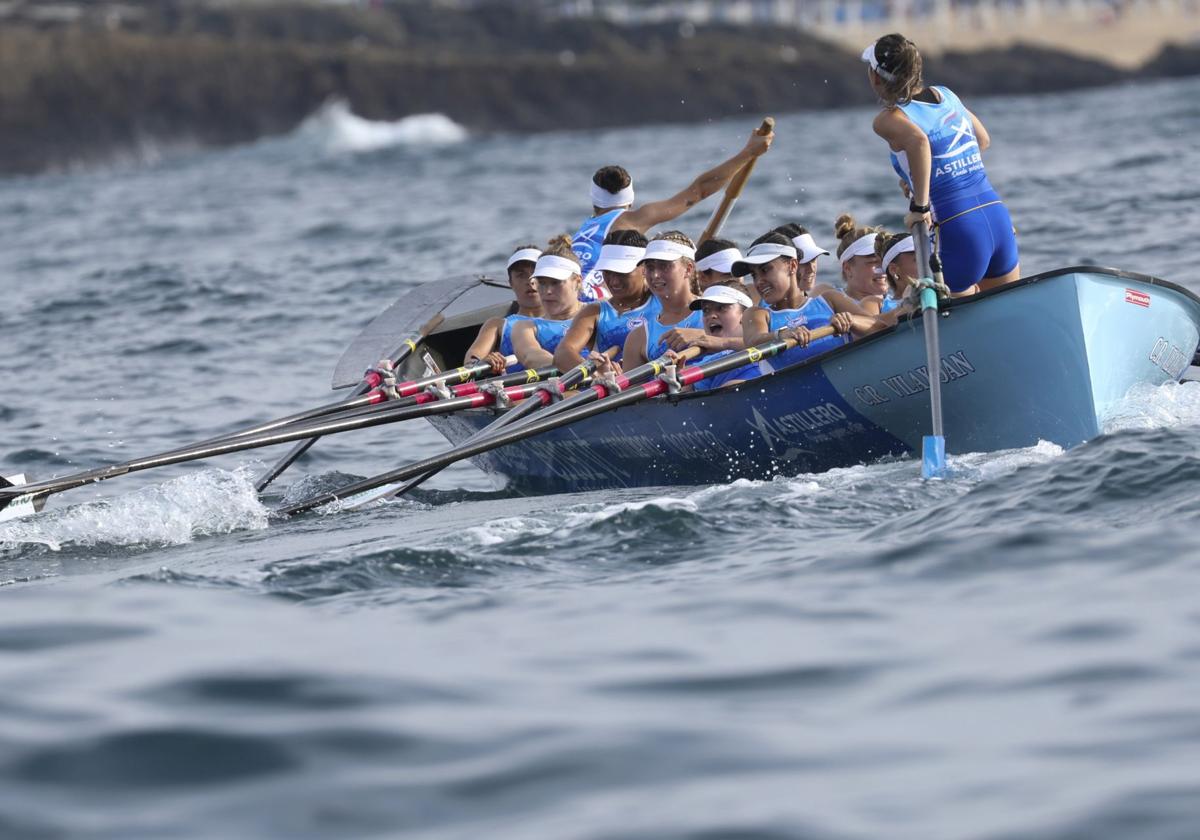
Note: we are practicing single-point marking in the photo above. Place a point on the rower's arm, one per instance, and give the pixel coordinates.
(981, 134)
(525, 344)
(862, 320)
(634, 353)
(487, 340)
(903, 135)
(569, 352)
(756, 326)
(710, 182)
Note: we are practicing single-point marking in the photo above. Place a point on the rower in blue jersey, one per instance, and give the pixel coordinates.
(493, 344)
(558, 281)
(612, 198)
(937, 148)
(670, 267)
(807, 252)
(772, 261)
(897, 255)
(606, 324)
(723, 308)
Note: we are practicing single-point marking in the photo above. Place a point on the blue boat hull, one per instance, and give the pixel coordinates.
(1043, 359)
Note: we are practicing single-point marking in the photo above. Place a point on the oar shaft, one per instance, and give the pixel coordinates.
(933, 446)
(733, 191)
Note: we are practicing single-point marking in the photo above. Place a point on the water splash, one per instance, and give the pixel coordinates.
(1155, 407)
(171, 513)
(337, 129)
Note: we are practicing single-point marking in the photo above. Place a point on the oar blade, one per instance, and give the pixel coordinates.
(18, 506)
(933, 456)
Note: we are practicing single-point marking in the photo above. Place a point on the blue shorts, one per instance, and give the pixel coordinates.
(978, 243)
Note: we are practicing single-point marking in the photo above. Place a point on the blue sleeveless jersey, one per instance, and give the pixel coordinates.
(612, 327)
(956, 173)
(749, 371)
(889, 303)
(550, 333)
(655, 346)
(586, 244)
(506, 347)
(813, 315)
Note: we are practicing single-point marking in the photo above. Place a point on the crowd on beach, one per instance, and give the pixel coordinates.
(624, 297)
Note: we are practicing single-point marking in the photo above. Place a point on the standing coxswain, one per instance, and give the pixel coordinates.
(937, 148)
(493, 344)
(607, 323)
(612, 198)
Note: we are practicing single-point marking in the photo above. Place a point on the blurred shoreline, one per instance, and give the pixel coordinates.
(102, 85)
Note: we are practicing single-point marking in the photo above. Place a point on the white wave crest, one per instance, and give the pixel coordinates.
(337, 129)
(171, 513)
(1155, 407)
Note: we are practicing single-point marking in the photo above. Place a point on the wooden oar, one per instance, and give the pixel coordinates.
(933, 446)
(427, 405)
(407, 347)
(733, 190)
(598, 401)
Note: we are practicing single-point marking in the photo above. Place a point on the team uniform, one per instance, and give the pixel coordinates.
(613, 327)
(549, 333)
(813, 315)
(655, 345)
(748, 371)
(586, 244)
(506, 346)
(889, 303)
(974, 230)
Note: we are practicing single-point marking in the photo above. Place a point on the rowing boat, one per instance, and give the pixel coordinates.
(1044, 359)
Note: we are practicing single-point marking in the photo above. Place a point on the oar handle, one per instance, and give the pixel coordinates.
(734, 189)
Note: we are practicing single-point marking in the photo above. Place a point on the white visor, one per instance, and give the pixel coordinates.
(868, 55)
(556, 268)
(665, 249)
(760, 255)
(722, 261)
(524, 255)
(864, 246)
(904, 246)
(619, 258)
(807, 249)
(721, 294)
(606, 200)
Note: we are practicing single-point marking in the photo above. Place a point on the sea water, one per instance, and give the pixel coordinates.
(1013, 652)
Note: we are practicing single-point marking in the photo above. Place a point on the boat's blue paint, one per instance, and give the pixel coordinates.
(1043, 359)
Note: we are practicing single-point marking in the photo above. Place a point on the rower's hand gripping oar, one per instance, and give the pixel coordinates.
(599, 401)
(933, 446)
(407, 348)
(733, 190)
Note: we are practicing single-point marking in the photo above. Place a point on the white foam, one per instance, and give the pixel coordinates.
(337, 129)
(1155, 407)
(171, 513)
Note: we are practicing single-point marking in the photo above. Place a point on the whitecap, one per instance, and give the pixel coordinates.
(337, 129)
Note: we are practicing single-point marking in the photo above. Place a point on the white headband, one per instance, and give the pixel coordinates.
(665, 249)
(869, 57)
(723, 260)
(557, 268)
(861, 247)
(806, 246)
(606, 200)
(523, 255)
(904, 246)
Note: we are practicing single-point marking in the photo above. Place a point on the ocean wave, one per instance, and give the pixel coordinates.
(171, 513)
(337, 129)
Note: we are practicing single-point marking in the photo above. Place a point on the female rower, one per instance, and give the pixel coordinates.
(772, 260)
(558, 281)
(897, 255)
(714, 259)
(494, 342)
(937, 148)
(807, 252)
(612, 206)
(864, 278)
(607, 323)
(670, 269)
(723, 308)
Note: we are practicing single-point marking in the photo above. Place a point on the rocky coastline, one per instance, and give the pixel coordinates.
(78, 92)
